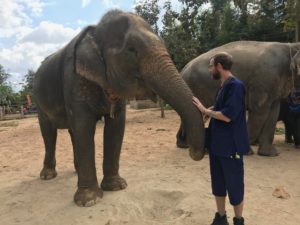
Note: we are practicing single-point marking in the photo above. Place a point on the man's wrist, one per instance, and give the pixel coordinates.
(207, 112)
(210, 112)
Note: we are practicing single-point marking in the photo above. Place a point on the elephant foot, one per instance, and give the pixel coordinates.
(289, 141)
(182, 144)
(196, 154)
(114, 183)
(270, 151)
(48, 173)
(87, 197)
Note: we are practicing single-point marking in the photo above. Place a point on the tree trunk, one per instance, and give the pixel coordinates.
(297, 12)
(297, 31)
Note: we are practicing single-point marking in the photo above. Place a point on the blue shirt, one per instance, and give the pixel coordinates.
(294, 101)
(223, 138)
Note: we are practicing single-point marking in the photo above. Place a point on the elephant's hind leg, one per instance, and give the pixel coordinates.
(49, 133)
(181, 137)
(113, 138)
(266, 147)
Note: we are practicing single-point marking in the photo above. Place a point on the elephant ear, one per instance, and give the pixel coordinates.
(112, 29)
(295, 63)
(88, 61)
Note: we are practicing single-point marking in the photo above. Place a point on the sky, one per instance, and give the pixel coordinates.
(30, 30)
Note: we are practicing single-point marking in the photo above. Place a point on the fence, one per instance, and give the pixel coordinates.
(15, 112)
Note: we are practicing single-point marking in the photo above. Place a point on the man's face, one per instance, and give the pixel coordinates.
(214, 70)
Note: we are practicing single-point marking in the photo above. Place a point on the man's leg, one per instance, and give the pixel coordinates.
(220, 201)
(218, 190)
(234, 177)
(238, 210)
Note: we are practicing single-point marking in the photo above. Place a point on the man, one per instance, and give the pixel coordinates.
(227, 139)
(293, 117)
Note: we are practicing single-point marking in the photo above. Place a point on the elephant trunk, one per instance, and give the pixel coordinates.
(162, 76)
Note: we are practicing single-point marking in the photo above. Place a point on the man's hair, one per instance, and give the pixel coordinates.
(224, 59)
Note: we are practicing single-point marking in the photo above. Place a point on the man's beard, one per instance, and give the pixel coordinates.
(216, 76)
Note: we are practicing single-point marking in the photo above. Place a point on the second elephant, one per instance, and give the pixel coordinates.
(266, 69)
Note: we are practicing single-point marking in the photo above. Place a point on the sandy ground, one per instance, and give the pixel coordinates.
(164, 185)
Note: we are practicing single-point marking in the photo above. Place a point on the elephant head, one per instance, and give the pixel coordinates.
(123, 54)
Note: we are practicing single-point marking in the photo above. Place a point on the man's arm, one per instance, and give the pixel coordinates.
(216, 115)
(209, 112)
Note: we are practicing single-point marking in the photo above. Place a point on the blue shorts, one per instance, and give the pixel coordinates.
(227, 176)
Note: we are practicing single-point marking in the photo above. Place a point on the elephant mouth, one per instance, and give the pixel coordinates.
(112, 96)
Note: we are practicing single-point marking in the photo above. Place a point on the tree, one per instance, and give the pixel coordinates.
(229, 26)
(28, 87)
(3, 75)
(29, 80)
(297, 21)
(181, 30)
(268, 20)
(192, 30)
(188, 16)
(5, 90)
(149, 11)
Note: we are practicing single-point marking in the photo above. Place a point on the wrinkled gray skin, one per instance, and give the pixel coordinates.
(90, 78)
(265, 69)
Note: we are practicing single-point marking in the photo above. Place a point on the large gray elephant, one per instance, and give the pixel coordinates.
(91, 77)
(267, 70)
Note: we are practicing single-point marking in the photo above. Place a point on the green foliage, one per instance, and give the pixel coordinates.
(27, 88)
(167, 107)
(3, 75)
(180, 32)
(29, 80)
(8, 96)
(149, 10)
(279, 131)
(6, 92)
(196, 28)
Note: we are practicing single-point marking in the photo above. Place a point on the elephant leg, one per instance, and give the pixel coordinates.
(74, 150)
(113, 138)
(288, 124)
(255, 124)
(181, 137)
(83, 132)
(266, 147)
(49, 134)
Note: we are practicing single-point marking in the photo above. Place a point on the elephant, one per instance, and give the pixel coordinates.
(267, 70)
(91, 77)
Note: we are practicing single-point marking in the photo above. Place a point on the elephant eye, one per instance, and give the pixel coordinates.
(131, 49)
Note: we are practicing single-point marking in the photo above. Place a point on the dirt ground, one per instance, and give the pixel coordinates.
(165, 187)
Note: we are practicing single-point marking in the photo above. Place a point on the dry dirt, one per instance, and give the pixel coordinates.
(165, 187)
